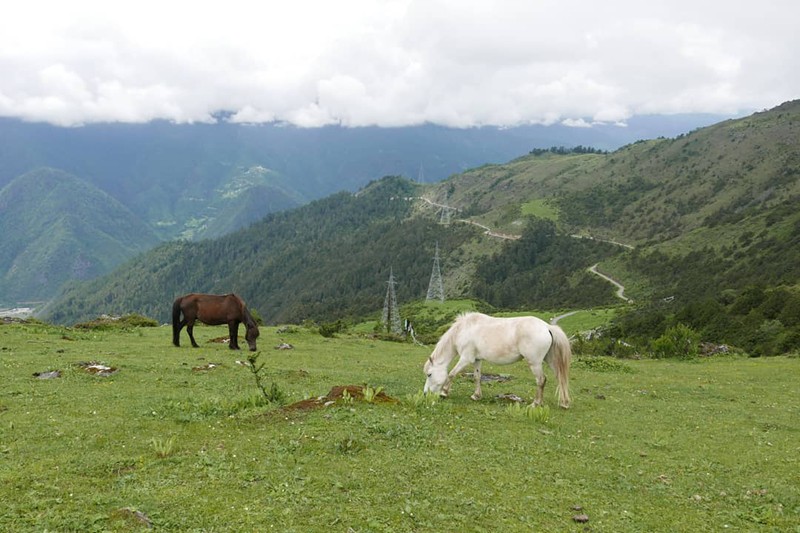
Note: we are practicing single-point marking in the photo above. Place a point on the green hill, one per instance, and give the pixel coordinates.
(59, 228)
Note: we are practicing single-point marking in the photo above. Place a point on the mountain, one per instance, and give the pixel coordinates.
(702, 229)
(330, 258)
(174, 176)
(199, 181)
(56, 228)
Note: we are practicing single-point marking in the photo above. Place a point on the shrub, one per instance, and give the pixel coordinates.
(678, 341)
(329, 329)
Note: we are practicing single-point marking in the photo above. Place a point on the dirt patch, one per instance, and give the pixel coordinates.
(337, 393)
(220, 340)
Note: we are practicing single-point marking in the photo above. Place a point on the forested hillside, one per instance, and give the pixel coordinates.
(57, 227)
(196, 181)
(712, 219)
(328, 260)
(702, 229)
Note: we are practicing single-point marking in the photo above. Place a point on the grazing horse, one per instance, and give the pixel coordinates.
(213, 309)
(476, 337)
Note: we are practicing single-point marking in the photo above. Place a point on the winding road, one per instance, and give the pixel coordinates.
(593, 269)
(618, 285)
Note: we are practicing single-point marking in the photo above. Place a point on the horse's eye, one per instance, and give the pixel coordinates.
(430, 374)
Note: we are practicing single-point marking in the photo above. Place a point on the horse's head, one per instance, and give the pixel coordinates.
(251, 336)
(436, 375)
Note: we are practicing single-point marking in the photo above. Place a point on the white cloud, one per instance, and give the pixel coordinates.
(395, 62)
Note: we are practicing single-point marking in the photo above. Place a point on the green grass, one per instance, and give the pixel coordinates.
(540, 207)
(661, 446)
(587, 320)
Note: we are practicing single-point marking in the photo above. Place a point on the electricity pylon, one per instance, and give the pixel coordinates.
(435, 286)
(391, 315)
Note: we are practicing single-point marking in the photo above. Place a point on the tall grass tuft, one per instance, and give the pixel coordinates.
(540, 415)
(420, 399)
(163, 447)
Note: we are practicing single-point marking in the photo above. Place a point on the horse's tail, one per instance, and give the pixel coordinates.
(176, 321)
(559, 357)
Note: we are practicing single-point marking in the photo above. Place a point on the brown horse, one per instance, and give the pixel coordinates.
(213, 309)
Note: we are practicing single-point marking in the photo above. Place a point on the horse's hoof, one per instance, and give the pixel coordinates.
(475, 397)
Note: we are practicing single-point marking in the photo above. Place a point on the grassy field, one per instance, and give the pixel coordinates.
(172, 442)
(540, 207)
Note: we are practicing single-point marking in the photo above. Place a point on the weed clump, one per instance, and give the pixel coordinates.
(163, 447)
(274, 394)
(540, 415)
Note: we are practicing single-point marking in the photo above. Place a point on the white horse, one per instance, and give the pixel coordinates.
(476, 337)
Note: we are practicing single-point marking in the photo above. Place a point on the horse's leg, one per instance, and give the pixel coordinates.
(477, 394)
(460, 366)
(176, 332)
(190, 331)
(233, 330)
(541, 379)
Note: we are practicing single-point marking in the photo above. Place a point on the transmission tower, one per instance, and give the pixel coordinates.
(435, 286)
(391, 315)
(445, 217)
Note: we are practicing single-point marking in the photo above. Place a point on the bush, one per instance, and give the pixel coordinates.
(679, 341)
(329, 329)
(603, 343)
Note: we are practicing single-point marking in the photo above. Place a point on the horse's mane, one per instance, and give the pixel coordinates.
(248, 317)
(444, 348)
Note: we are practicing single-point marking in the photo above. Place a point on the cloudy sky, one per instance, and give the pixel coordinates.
(395, 62)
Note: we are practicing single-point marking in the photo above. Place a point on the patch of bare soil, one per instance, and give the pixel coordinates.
(337, 393)
(220, 340)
